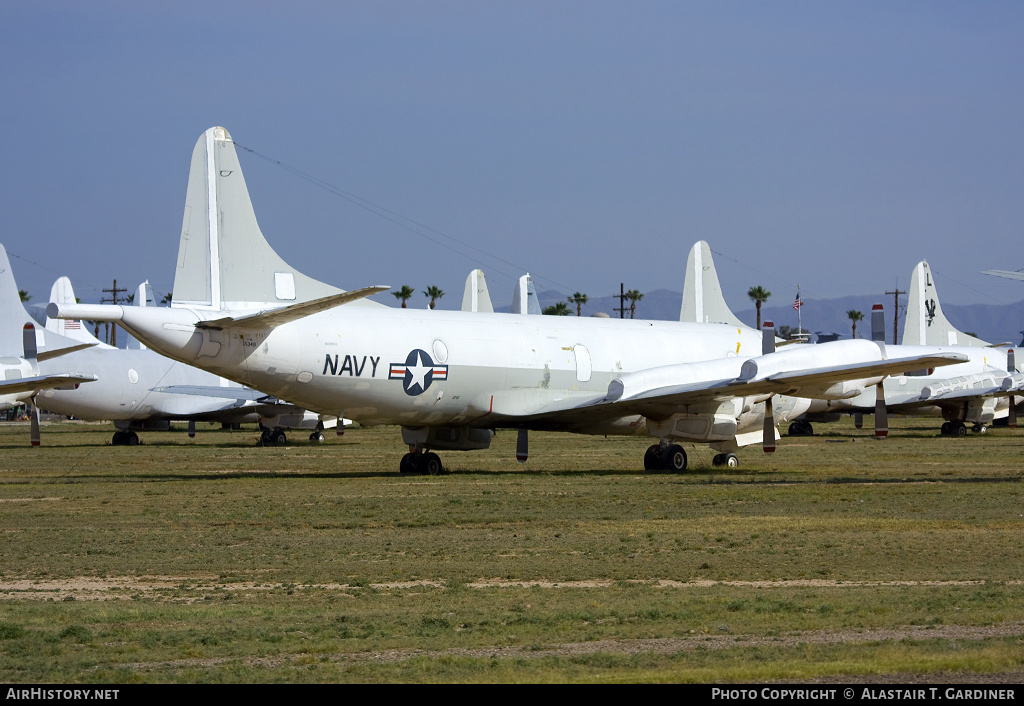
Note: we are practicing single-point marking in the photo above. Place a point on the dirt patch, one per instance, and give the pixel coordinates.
(88, 588)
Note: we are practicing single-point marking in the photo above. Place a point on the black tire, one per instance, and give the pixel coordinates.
(674, 459)
(801, 429)
(946, 429)
(131, 438)
(432, 464)
(316, 437)
(718, 460)
(959, 429)
(652, 458)
(118, 439)
(731, 461)
(278, 438)
(408, 465)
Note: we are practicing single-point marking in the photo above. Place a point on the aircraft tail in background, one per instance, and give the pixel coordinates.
(926, 325)
(63, 293)
(476, 297)
(702, 292)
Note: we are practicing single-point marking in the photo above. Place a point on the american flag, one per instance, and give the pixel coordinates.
(798, 302)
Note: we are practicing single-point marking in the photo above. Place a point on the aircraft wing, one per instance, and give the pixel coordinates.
(276, 317)
(1004, 273)
(215, 391)
(263, 404)
(659, 392)
(43, 382)
(973, 386)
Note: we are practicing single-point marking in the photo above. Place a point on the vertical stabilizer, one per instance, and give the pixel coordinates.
(224, 262)
(13, 316)
(524, 298)
(476, 297)
(63, 293)
(926, 325)
(702, 292)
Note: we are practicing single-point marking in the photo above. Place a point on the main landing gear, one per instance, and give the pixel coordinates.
(727, 460)
(418, 463)
(273, 437)
(958, 428)
(665, 458)
(801, 429)
(125, 438)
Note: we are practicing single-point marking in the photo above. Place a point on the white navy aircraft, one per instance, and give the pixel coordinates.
(450, 378)
(983, 388)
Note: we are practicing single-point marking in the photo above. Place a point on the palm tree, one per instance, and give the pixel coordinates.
(24, 295)
(758, 295)
(167, 299)
(855, 316)
(559, 309)
(633, 296)
(405, 293)
(579, 300)
(434, 293)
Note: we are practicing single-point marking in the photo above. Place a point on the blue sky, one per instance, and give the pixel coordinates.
(831, 145)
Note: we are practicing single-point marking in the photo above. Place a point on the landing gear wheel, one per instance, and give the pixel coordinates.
(727, 460)
(674, 458)
(946, 429)
(801, 429)
(118, 439)
(273, 437)
(316, 437)
(979, 429)
(959, 429)
(409, 464)
(652, 458)
(432, 464)
(131, 438)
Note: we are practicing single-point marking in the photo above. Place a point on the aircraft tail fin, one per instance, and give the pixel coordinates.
(702, 292)
(224, 261)
(476, 297)
(926, 325)
(63, 293)
(13, 316)
(524, 297)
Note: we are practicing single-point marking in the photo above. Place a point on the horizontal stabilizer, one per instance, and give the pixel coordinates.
(276, 317)
(50, 355)
(44, 382)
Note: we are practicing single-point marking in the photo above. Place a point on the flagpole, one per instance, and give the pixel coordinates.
(799, 314)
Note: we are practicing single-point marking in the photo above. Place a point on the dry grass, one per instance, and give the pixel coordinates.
(216, 560)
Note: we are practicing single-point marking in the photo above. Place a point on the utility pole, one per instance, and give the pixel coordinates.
(622, 301)
(113, 300)
(896, 312)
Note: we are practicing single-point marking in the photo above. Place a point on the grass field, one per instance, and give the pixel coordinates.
(214, 560)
